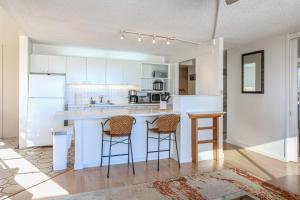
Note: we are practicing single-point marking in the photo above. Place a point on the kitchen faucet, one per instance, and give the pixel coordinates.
(101, 99)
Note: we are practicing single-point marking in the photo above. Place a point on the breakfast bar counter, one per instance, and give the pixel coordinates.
(88, 134)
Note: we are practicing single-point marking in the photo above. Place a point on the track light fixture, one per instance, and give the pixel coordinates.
(155, 37)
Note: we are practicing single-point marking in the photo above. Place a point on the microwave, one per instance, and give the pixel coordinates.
(155, 97)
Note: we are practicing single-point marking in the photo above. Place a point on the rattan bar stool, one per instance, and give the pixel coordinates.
(166, 125)
(120, 127)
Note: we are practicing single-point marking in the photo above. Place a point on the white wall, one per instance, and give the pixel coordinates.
(257, 121)
(9, 67)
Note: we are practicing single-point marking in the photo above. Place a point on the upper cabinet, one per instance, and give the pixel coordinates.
(115, 72)
(47, 64)
(96, 70)
(39, 63)
(123, 72)
(132, 73)
(76, 70)
(82, 70)
(57, 64)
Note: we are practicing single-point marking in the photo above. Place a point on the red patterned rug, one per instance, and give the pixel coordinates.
(231, 184)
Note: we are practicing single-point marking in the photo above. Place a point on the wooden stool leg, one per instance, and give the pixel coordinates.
(215, 137)
(194, 141)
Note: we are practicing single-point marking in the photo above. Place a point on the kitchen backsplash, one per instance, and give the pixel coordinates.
(81, 94)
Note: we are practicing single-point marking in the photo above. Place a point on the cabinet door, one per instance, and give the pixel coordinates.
(76, 70)
(57, 64)
(132, 73)
(96, 70)
(39, 63)
(114, 72)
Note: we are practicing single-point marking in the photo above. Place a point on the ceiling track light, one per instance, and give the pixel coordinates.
(156, 37)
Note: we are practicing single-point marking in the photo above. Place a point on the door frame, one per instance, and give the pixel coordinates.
(292, 135)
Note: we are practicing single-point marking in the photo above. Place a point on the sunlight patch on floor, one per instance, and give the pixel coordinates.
(26, 175)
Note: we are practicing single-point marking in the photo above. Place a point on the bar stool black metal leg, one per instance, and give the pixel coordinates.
(128, 152)
(129, 141)
(109, 156)
(177, 149)
(101, 150)
(169, 145)
(147, 145)
(158, 151)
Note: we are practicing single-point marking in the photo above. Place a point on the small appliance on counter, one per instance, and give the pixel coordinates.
(158, 85)
(164, 97)
(132, 96)
(143, 97)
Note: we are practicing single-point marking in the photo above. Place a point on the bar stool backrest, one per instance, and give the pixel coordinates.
(121, 125)
(168, 123)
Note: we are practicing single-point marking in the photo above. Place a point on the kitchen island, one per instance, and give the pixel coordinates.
(88, 134)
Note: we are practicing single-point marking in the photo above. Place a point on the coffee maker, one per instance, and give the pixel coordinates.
(132, 96)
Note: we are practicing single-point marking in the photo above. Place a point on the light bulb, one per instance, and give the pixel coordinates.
(122, 37)
(168, 41)
(139, 38)
(153, 40)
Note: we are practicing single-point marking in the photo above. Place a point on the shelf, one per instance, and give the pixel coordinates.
(154, 78)
(154, 91)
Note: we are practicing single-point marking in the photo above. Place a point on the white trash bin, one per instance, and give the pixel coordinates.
(62, 139)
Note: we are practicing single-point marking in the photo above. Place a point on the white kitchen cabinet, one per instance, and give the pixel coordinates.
(76, 70)
(115, 72)
(57, 64)
(39, 63)
(132, 73)
(96, 70)
(47, 64)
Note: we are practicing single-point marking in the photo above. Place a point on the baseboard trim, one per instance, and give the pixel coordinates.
(254, 149)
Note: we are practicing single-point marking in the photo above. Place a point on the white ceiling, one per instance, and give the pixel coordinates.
(96, 23)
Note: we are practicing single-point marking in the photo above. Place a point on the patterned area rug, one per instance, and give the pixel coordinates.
(23, 168)
(224, 184)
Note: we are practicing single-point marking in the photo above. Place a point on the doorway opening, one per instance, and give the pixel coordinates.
(187, 77)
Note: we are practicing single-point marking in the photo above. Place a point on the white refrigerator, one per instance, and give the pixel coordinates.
(46, 97)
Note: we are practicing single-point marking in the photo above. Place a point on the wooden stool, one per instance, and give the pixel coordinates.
(120, 126)
(215, 127)
(166, 125)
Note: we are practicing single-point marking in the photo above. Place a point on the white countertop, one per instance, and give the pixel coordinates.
(107, 113)
(111, 105)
